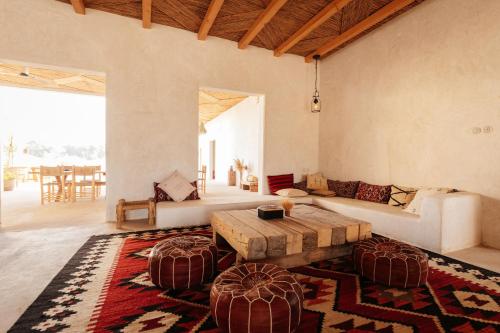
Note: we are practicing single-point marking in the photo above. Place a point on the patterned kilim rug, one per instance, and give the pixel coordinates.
(105, 288)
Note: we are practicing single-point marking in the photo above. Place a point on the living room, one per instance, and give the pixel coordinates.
(407, 96)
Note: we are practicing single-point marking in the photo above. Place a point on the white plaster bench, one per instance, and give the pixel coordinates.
(448, 222)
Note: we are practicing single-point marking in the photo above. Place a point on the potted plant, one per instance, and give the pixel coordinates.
(9, 180)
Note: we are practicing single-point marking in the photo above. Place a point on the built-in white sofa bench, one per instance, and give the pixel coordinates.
(448, 222)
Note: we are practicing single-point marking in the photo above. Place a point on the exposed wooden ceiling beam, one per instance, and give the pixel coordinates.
(328, 11)
(209, 18)
(261, 22)
(78, 6)
(146, 14)
(359, 28)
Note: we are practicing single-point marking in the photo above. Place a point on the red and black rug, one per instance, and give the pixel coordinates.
(105, 288)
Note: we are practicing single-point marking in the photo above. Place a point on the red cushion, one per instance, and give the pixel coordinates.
(374, 193)
(280, 182)
(161, 195)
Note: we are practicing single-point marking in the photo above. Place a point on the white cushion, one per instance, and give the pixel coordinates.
(415, 206)
(177, 187)
(291, 193)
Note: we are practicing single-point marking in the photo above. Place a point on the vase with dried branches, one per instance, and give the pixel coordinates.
(287, 206)
(239, 166)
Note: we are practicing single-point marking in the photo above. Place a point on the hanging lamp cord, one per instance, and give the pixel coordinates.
(316, 78)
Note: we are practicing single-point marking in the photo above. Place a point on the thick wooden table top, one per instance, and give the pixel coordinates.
(307, 229)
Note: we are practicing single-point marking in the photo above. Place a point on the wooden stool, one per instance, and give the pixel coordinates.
(123, 206)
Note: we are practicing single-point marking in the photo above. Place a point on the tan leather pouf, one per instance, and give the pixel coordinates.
(182, 262)
(390, 262)
(256, 298)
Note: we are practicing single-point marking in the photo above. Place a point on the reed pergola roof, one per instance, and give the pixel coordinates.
(302, 27)
(214, 103)
(37, 77)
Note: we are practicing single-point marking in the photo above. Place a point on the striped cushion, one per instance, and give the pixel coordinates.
(401, 196)
(280, 182)
(161, 195)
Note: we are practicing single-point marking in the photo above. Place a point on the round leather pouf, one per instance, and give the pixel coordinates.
(390, 262)
(255, 298)
(182, 262)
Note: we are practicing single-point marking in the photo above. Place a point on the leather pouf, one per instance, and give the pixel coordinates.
(390, 262)
(255, 298)
(182, 262)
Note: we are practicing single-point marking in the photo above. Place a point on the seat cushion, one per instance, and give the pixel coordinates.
(386, 220)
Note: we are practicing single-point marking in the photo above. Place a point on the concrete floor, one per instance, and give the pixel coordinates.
(36, 241)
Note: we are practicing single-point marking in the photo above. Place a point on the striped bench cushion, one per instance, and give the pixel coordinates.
(280, 182)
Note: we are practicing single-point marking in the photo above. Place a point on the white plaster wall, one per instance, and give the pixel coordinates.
(401, 102)
(237, 134)
(153, 77)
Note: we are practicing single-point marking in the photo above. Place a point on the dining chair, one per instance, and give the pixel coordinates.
(52, 184)
(34, 173)
(83, 183)
(100, 179)
(202, 179)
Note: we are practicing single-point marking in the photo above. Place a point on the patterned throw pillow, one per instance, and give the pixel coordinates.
(161, 195)
(343, 189)
(401, 196)
(280, 182)
(317, 182)
(374, 193)
(302, 186)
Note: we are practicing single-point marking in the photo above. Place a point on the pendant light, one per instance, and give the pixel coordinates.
(202, 128)
(316, 102)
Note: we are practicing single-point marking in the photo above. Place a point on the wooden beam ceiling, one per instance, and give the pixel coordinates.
(146, 14)
(301, 27)
(261, 22)
(359, 28)
(331, 9)
(78, 6)
(209, 19)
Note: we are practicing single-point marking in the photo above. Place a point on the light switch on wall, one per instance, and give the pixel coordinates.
(487, 129)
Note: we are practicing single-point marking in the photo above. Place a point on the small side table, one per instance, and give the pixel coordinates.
(123, 206)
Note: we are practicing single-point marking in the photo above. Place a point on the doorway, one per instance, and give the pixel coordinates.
(230, 141)
(51, 119)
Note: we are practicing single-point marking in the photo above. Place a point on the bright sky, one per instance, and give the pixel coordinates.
(51, 118)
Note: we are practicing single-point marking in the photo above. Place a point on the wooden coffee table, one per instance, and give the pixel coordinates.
(310, 234)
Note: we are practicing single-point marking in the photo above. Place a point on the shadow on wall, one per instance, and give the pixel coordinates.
(490, 221)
